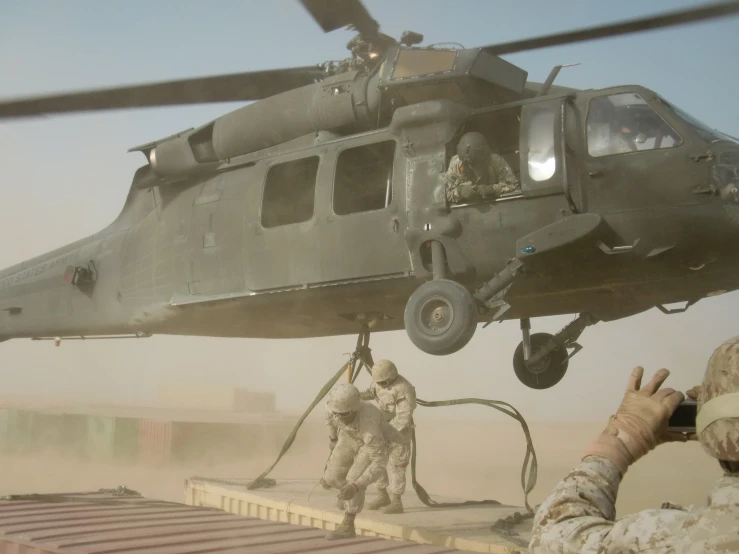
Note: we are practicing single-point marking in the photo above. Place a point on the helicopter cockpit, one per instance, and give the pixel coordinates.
(623, 123)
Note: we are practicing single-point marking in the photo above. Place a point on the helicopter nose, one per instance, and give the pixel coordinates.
(730, 197)
(726, 180)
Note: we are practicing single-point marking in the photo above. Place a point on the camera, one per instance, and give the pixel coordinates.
(683, 418)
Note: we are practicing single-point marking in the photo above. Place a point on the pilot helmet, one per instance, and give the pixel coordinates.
(473, 149)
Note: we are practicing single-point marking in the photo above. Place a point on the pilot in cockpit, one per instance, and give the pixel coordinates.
(476, 173)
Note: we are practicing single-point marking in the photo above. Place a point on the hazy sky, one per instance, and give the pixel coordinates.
(66, 177)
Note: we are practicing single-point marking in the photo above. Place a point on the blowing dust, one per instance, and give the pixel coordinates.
(468, 460)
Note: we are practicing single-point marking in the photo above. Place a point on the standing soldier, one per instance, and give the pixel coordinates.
(396, 397)
(357, 438)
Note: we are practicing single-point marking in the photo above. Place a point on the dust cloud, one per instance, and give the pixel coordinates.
(458, 459)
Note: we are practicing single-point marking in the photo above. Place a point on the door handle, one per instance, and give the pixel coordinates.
(596, 174)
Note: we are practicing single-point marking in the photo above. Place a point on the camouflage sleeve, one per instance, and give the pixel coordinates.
(453, 175)
(579, 516)
(506, 179)
(404, 410)
(376, 448)
(368, 394)
(331, 423)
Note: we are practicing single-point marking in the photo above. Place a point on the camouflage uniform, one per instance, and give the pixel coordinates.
(397, 403)
(360, 453)
(464, 184)
(579, 517)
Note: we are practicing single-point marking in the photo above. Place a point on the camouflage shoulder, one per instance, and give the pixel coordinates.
(405, 390)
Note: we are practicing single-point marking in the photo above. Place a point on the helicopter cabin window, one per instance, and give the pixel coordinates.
(289, 192)
(364, 178)
(624, 123)
(541, 157)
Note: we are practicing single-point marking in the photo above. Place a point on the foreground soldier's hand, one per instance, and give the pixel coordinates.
(640, 423)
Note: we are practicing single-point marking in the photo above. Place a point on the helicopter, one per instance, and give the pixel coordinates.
(319, 208)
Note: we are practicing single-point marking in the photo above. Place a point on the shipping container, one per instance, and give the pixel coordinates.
(112, 438)
(303, 502)
(155, 442)
(182, 441)
(4, 424)
(63, 433)
(19, 433)
(89, 523)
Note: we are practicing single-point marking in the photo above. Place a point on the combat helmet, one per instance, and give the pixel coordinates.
(473, 149)
(344, 399)
(717, 423)
(384, 370)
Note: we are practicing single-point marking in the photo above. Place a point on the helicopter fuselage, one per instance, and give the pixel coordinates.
(306, 238)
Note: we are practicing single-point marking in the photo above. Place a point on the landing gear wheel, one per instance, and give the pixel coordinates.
(440, 317)
(545, 373)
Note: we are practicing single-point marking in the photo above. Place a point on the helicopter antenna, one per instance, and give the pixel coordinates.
(552, 76)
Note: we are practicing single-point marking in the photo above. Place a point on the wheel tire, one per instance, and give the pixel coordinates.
(440, 317)
(548, 372)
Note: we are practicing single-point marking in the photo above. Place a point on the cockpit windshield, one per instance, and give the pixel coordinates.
(703, 130)
(625, 122)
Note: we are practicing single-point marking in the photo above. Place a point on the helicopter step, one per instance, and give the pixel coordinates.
(541, 359)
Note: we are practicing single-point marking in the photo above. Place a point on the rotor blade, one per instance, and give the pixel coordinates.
(219, 88)
(334, 14)
(708, 11)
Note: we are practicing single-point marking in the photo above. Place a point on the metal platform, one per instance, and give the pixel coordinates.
(301, 502)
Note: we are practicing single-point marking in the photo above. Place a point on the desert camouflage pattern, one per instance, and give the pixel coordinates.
(579, 517)
(397, 402)
(360, 453)
(463, 187)
(721, 438)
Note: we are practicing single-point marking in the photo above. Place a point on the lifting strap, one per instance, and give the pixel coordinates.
(362, 357)
(354, 366)
(529, 461)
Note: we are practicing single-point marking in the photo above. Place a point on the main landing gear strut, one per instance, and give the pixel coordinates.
(541, 359)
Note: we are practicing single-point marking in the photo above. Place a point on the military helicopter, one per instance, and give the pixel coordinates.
(320, 208)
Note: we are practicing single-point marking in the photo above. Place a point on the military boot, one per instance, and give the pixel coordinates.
(381, 501)
(345, 530)
(395, 507)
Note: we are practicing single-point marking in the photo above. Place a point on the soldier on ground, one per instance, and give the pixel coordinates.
(358, 439)
(475, 173)
(396, 398)
(579, 515)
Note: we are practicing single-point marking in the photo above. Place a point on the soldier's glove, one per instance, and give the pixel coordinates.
(640, 423)
(348, 491)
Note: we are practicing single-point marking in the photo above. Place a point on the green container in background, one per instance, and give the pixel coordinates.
(112, 438)
(4, 425)
(18, 431)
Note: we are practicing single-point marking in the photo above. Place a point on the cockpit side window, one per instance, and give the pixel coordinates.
(541, 158)
(624, 123)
